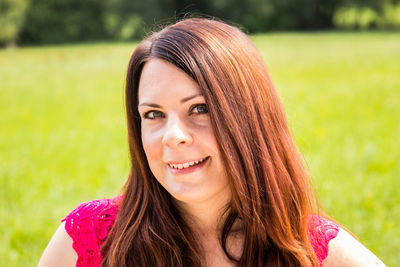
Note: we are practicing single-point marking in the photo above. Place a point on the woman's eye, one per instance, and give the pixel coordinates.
(153, 114)
(200, 109)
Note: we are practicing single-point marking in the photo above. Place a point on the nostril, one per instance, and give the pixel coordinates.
(176, 135)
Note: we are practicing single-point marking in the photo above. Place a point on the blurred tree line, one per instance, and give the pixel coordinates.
(59, 21)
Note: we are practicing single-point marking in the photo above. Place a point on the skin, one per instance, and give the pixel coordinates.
(59, 251)
(345, 250)
(176, 128)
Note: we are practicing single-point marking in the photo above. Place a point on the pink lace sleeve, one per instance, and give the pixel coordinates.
(88, 225)
(321, 231)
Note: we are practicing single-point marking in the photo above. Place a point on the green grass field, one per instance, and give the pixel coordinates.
(63, 136)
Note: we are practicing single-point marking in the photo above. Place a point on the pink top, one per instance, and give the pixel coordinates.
(89, 223)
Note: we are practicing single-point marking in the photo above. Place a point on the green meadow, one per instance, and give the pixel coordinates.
(63, 138)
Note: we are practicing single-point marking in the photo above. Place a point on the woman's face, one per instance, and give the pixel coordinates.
(177, 135)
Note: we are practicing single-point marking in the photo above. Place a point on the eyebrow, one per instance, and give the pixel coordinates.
(183, 100)
(186, 99)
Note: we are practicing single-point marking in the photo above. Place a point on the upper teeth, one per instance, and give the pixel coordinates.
(186, 164)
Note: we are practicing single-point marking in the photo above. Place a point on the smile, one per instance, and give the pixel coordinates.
(187, 164)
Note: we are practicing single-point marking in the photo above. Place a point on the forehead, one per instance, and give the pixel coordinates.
(160, 79)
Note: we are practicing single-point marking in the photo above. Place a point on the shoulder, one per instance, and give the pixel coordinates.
(81, 234)
(92, 215)
(336, 247)
(345, 250)
(94, 208)
(59, 251)
(321, 231)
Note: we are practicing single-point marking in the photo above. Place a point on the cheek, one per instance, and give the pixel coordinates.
(213, 146)
(208, 137)
(151, 147)
(153, 156)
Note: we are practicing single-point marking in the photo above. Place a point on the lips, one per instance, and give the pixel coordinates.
(185, 165)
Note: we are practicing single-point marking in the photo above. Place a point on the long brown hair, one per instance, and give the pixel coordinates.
(270, 192)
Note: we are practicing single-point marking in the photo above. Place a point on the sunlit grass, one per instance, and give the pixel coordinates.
(63, 136)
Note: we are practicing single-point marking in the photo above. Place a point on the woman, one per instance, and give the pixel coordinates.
(216, 179)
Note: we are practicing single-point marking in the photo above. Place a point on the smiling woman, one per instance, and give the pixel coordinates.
(216, 179)
(178, 137)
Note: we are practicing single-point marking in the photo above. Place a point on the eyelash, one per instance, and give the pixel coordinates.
(200, 105)
(147, 114)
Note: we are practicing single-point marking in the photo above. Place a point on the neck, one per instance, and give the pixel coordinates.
(206, 220)
(205, 217)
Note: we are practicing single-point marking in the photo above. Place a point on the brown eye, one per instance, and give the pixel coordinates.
(200, 109)
(153, 114)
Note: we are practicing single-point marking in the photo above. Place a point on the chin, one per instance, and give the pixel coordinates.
(188, 195)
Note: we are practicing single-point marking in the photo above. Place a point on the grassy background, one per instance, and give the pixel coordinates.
(63, 136)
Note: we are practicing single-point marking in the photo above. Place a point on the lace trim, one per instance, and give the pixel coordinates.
(88, 225)
(321, 232)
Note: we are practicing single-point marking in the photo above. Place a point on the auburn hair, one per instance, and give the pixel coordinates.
(270, 188)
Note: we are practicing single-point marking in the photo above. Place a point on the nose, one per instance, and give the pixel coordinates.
(176, 133)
